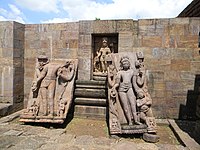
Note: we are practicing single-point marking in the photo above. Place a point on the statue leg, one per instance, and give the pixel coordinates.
(103, 66)
(51, 95)
(106, 66)
(43, 101)
(132, 101)
(125, 106)
(149, 113)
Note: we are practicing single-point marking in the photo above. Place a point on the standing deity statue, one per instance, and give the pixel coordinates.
(124, 82)
(100, 60)
(129, 101)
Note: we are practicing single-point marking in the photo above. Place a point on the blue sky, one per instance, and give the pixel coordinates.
(54, 11)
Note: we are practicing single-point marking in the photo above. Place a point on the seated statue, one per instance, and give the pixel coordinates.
(51, 92)
(129, 101)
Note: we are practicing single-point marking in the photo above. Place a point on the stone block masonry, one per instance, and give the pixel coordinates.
(12, 66)
(170, 48)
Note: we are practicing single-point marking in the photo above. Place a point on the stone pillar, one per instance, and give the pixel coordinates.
(85, 50)
(11, 65)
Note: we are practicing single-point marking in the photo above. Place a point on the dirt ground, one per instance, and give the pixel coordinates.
(98, 128)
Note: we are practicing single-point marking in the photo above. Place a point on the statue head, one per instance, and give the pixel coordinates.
(140, 56)
(125, 63)
(105, 42)
(43, 60)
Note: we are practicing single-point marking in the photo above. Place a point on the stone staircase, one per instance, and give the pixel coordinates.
(91, 99)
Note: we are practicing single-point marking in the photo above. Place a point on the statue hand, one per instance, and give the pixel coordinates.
(59, 72)
(34, 86)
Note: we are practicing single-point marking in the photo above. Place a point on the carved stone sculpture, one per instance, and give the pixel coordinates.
(129, 101)
(51, 92)
(102, 55)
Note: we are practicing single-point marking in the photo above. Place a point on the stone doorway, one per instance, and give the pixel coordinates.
(97, 44)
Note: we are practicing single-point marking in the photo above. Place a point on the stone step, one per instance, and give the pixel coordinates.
(90, 82)
(99, 76)
(90, 93)
(90, 101)
(5, 109)
(94, 112)
(91, 86)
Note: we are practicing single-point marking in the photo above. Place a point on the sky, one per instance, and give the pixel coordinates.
(57, 11)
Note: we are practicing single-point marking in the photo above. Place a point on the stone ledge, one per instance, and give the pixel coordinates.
(11, 117)
(5, 109)
(90, 101)
(91, 86)
(90, 82)
(90, 93)
(94, 112)
(190, 143)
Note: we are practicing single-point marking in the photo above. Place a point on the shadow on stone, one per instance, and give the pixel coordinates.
(189, 114)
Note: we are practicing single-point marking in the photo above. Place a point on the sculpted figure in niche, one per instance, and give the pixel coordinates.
(124, 82)
(100, 60)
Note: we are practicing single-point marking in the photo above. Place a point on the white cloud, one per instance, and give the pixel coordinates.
(13, 14)
(74, 10)
(40, 5)
(87, 9)
(56, 20)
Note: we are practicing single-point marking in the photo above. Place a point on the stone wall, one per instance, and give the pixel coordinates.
(125, 29)
(11, 68)
(172, 60)
(170, 47)
(57, 41)
(6, 61)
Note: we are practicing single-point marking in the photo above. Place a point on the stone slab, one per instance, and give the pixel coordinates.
(90, 101)
(95, 112)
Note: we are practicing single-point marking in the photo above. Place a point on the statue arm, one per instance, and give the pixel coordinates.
(134, 83)
(99, 53)
(117, 81)
(140, 78)
(42, 75)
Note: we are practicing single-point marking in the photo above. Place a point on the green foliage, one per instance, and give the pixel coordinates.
(97, 18)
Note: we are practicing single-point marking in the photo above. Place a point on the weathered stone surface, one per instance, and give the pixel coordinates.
(95, 112)
(128, 97)
(52, 91)
(170, 46)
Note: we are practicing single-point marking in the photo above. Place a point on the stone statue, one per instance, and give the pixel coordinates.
(51, 91)
(100, 60)
(124, 84)
(129, 101)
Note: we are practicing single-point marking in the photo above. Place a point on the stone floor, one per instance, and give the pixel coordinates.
(77, 134)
